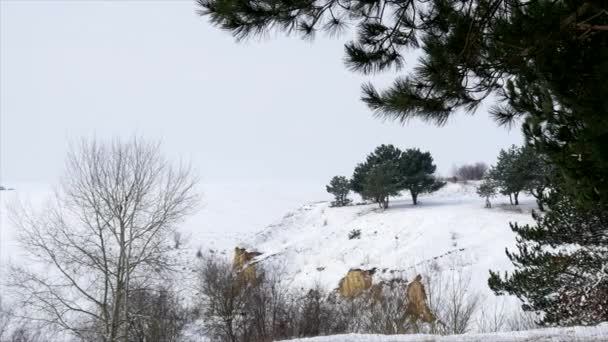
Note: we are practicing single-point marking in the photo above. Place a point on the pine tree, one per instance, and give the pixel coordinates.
(416, 172)
(539, 172)
(561, 264)
(381, 183)
(339, 186)
(520, 169)
(544, 60)
(510, 174)
(379, 176)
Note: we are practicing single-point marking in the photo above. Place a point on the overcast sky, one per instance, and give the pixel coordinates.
(281, 108)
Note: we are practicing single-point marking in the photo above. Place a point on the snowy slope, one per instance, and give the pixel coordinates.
(448, 230)
(573, 334)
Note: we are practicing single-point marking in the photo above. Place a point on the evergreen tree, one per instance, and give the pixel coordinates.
(384, 161)
(416, 173)
(339, 186)
(487, 190)
(382, 182)
(544, 60)
(522, 169)
(539, 172)
(510, 173)
(561, 264)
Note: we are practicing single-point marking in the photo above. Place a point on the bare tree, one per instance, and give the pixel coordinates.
(471, 171)
(451, 300)
(106, 231)
(5, 320)
(224, 299)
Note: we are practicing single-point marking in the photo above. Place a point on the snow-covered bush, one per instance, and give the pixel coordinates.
(354, 234)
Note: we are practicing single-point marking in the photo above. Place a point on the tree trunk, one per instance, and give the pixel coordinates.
(516, 195)
(541, 206)
(414, 197)
(510, 199)
(488, 204)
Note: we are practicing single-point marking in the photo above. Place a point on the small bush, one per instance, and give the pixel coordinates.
(354, 234)
(339, 186)
(487, 189)
(264, 309)
(471, 171)
(156, 315)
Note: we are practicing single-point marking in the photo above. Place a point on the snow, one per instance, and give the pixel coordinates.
(448, 230)
(230, 212)
(572, 334)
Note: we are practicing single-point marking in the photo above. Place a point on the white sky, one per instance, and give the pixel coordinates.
(280, 108)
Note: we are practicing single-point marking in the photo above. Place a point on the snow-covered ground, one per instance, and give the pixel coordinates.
(573, 334)
(449, 230)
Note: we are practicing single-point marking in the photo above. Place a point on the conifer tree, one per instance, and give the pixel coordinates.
(381, 183)
(379, 176)
(510, 173)
(539, 172)
(339, 186)
(416, 173)
(561, 264)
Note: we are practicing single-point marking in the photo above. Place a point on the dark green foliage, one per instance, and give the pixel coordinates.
(509, 173)
(522, 169)
(388, 170)
(561, 264)
(339, 186)
(487, 189)
(416, 172)
(544, 60)
(354, 234)
(378, 177)
(381, 182)
(540, 174)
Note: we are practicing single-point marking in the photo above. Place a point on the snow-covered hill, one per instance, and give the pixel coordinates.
(449, 230)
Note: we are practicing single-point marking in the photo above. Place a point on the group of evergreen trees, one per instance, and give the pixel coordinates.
(385, 173)
(561, 260)
(518, 169)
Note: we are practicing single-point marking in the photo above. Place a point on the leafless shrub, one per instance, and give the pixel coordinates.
(492, 318)
(27, 333)
(236, 309)
(107, 228)
(224, 300)
(319, 313)
(156, 315)
(16, 329)
(519, 320)
(451, 301)
(471, 171)
(5, 320)
(385, 309)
